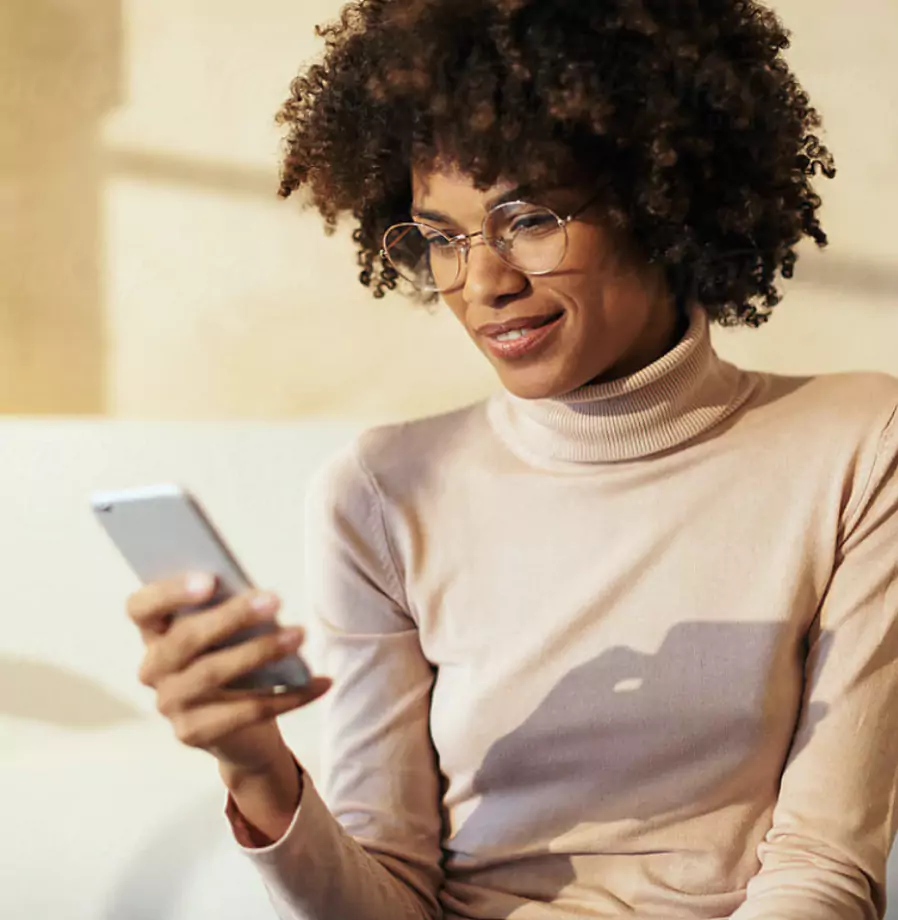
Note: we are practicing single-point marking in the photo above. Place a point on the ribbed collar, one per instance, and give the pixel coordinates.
(680, 396)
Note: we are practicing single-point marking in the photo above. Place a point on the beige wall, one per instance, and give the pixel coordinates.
(148, 269)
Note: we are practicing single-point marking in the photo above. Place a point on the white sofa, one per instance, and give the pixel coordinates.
(104, 816)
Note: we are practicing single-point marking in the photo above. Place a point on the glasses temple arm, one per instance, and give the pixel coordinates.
(575, 214)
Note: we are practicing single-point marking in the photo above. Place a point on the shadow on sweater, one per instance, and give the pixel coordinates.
(708, 720)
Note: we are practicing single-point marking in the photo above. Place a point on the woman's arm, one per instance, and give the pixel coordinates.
(375, 852)
(835, 819)
(263, 802)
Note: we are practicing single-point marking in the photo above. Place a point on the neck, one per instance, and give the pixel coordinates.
(675, 399)
(663, 336)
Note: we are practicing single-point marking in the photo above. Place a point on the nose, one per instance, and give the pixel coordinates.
(489, 281)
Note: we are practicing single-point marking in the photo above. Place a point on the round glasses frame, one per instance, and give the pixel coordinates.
(463, 243)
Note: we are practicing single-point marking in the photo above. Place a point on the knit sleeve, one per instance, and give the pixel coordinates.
(373, 850)
(835, 819)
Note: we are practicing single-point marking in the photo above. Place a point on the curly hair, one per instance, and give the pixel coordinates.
(684, 115)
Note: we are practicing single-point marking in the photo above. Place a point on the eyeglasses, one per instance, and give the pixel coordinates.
(530, 238)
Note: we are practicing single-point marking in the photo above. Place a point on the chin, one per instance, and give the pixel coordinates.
(536, 383)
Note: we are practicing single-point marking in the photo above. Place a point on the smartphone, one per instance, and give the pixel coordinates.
(163, 532)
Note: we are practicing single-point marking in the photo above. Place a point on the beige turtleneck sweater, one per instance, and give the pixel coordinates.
(627, 653)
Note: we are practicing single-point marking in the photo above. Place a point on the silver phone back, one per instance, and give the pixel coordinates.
(163, 532)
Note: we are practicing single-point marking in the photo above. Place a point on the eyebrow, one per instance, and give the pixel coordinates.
(514, 194)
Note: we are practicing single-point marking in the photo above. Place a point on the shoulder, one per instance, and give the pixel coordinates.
(403, 454)
(857, 408)
(413, 448)
(865, 392)
(840, 430)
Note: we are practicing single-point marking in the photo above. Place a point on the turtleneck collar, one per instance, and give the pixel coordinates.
(680, 396)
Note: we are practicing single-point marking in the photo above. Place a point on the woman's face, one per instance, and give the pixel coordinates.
(614, 315)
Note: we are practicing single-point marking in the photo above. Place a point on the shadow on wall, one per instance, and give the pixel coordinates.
(53, 695)
(633, 737)
(64, 74)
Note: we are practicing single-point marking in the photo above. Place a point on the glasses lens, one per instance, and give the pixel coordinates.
(422, 255)
(528, 237)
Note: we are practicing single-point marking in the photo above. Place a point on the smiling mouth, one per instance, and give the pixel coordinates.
(516, 330)
(527, 341)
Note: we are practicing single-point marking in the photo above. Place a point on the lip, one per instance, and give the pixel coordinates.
(522, 346)
(512, 325)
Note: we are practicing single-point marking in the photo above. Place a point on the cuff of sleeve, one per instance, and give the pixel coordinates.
(249, 838)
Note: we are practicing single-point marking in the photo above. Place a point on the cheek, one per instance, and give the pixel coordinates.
(582, 293)
(596, 256)
(599, 279)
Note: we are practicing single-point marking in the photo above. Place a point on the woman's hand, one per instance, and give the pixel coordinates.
(237, 728)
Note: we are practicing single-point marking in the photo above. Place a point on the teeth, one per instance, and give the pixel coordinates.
(522, 333)
(512, 336)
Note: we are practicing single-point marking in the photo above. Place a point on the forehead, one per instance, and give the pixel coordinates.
(446, 184)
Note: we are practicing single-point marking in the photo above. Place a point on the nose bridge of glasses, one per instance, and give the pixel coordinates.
(467, 241)
(496, 242)
(496, 246)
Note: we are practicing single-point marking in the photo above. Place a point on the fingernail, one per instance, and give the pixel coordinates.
(264, 603)
(199, 584)
(291, 638)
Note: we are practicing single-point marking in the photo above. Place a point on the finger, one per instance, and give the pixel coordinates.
(195, 635)
(152, 607)
(211, 674)
(205, 726)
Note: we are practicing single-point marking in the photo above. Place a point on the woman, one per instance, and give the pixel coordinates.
(620, 641)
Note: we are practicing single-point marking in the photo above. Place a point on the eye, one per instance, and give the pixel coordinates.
(534, 223)
(437, 241)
